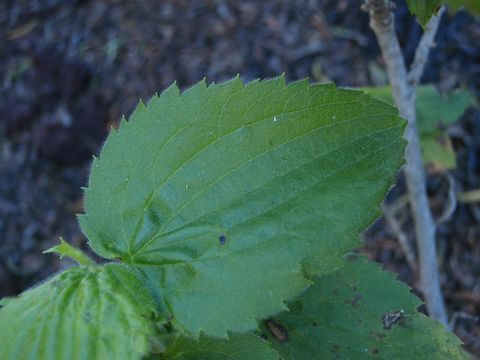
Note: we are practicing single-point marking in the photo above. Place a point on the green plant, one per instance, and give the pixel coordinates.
(228, 214)
(424, 9)
(434, 114)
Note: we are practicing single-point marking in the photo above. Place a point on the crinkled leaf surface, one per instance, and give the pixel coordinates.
(237, 347)
(223, 196)
(82, 313)
(341, 316)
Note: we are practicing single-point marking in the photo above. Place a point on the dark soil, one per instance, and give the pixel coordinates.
(70, 68)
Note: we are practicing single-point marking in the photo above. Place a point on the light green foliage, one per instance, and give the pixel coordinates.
(65, 249)
(82, 313)
(275, 169)
(473, 6)
(434, 113)
(424, 9)
(437, 151)
(237, 347)
(433, 110)
(342, 317)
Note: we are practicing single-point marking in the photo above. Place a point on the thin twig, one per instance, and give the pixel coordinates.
(382, 23)
(390, 215)
(457, 315)
(451, 205)
(423, 49)
(469, 196)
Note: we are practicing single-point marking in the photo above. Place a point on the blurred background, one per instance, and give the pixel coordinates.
(69, 69)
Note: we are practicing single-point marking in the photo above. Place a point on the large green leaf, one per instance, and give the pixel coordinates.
(360, 312)
(225, 195)
(82, 313)
(237, 347)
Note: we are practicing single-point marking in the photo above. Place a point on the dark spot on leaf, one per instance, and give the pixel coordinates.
(335, 348)
(222, 239)
(264, 336)
(381, 336)
(87, 317)
(168, 327)
(296, 306)
(375, 351)
(335, 291)
(314, 323)
(355, 300)
(277, 330)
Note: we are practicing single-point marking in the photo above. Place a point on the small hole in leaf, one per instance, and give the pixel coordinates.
(222, 239)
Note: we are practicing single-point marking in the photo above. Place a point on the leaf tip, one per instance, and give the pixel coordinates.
(173, 90)
(65, 249)
(281, 79)
(301, 83)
